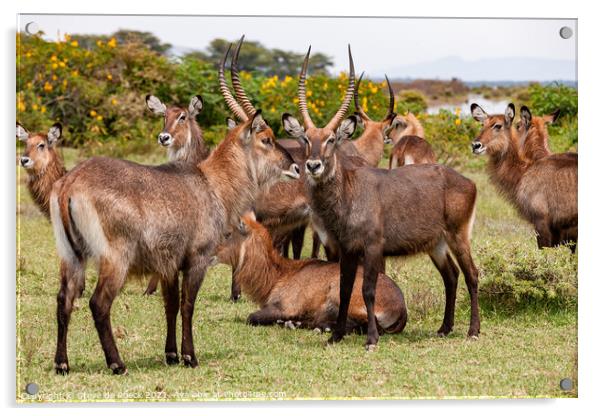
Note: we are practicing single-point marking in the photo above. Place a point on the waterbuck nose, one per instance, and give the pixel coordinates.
(476, 146)
(313, 165)
(164, 138)
(25, 161)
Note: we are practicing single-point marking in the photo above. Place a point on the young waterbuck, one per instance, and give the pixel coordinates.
(181, 134)
(305, 292)
(409, 147)
(140, 219)
(533, 134)
(544, 191)
(373, 213)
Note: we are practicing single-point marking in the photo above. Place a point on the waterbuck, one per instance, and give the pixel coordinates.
(301, 292)
(181, 134)
(138, 219)
(409, 147)
(544, 191)
(373, 213)
(533, 134)
(44, 165)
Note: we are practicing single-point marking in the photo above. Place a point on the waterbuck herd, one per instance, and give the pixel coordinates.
(245, 201)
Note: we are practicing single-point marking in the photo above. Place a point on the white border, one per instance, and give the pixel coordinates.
(590, 281)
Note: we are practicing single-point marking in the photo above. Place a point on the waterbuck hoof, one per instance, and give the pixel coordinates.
(334, 338)
(118, 369)
(473, 333)
(444, 331)
(317, 330)
(473, 337)
(370, 347)
(290, 325)
(235, 298)
(61, 369)
(171, 358)
(190, 361)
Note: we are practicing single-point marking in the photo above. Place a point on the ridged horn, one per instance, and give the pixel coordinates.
(356, 98)
(241, 96)
(391, 109)
(236, 109)
(338, 117)
(301, 93)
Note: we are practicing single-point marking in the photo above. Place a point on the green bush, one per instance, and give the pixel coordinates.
(411, 101)
(524, 276)
(549, 98)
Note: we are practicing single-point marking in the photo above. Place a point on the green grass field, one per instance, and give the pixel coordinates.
(524, 353)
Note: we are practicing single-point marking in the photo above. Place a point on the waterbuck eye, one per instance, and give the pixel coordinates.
(266, 141)
(182, 118)
(330, 140)
(41, 146)
(497, 127)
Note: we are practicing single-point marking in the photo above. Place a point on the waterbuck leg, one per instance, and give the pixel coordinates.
(297, 237)
(110, 281)
(72, 277)
(193, 278)
(348, 265)
(315, 246)
(267, 315)
(372, 264)
(544, 234)
(460, 247)
(152, 285)
(171, 301)
(235, 289)
(449, 272)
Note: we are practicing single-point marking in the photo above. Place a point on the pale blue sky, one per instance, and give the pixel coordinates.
(401, 47)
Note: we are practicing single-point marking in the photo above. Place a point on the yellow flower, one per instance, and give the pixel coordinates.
(62, 64)
(29, 85)
(109, 77)
(75, 44)
(53, 58)
(99, 43)
(458, 111)
(75, 73)
(34, 107)
(458, 121)
(365, 103)
(42, 109)
(28, 55)
(64, 83)
(47, 86)
(54, 77)
(309, 93)
(112, 43)
(55, 66)
(287, 79)
(21, 106)
(92, 113)
(67, 37)
(99, 118)
(114, 101)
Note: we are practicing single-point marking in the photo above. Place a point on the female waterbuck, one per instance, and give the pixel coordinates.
(533, 134)
(409, 147)
(43, 163)
(373, 213)
(544, 191)
(305, 292)
(140, 219)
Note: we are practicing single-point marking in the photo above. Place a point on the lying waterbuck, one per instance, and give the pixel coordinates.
(44, 165)
(544, 191)
(373, 213)
(409, 147)
(140, 219)
(304, 292)
(533, 134)
(181, 134)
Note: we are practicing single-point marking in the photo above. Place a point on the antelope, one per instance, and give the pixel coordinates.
(370, 145)
(135, 219)
(44, 165)
(305, 292)
(544, 191)
(181, 134)
(533, 134)
(372, 213)
(409, 147)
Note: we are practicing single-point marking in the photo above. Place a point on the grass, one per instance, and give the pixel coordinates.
(519, 354)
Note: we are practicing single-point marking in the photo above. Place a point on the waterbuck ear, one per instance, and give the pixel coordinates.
(347, 128)
(54, 133)
(550, 118)
(525, 116)
(478, 113)
(398, 123)
(155, 105)
(196, 105)
(509, 114)
(257, 124)
(230, 123)
(22, 134)
(292, 127)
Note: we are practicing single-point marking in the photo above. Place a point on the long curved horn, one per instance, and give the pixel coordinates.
(356, 98)
(338, 117)
(301, 92)
(238, 90)
(391, 109)
(223, 88)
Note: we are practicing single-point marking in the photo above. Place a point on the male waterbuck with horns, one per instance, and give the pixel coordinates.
(301, 292)
(544, 191)
(373, 213)
(140, 219)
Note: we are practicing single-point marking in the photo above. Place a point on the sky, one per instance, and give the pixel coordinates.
(471, 49)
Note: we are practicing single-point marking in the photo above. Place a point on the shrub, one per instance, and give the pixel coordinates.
(524, 276)
(411, 100)
(549, 98)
